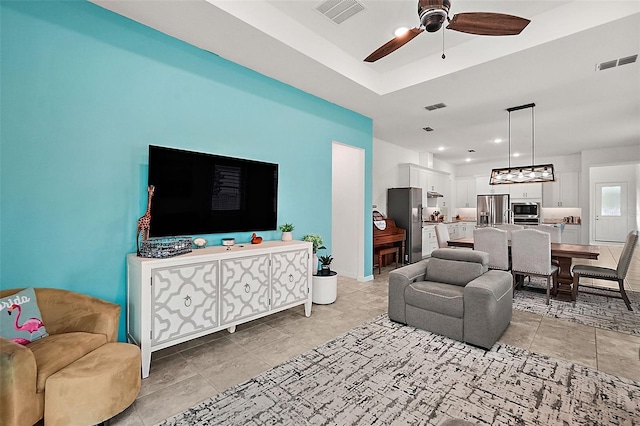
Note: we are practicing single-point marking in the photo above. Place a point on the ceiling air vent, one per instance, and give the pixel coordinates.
(617, 62)
(627, 60)
(607, 65)
(428, 129)
(339, 10)
(434, 107)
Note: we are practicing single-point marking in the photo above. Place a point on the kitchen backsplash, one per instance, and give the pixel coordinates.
(548, 214)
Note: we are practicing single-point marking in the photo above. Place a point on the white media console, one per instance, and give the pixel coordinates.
(172, 300)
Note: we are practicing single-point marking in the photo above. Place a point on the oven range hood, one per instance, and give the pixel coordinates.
(434, 194)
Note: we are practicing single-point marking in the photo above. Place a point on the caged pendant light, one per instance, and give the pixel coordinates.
(523, 174)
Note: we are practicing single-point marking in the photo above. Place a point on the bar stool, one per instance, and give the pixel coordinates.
(383, 251)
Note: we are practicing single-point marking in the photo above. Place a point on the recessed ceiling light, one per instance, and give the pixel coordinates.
(467, 159)
(441, 148)
(516, 154)
(398, 32)
(497, 140)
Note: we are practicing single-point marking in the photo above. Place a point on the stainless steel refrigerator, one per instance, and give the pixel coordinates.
(493, 209)
(404, 206)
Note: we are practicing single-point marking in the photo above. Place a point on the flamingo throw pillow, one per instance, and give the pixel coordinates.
(20, 318)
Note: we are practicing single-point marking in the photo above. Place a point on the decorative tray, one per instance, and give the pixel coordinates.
(165, 247)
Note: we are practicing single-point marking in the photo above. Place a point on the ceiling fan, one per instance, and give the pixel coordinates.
(432, 15)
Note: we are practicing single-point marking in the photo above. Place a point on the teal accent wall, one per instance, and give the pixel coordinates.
(85, 91)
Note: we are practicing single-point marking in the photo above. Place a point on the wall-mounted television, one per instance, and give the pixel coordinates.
(198, 193)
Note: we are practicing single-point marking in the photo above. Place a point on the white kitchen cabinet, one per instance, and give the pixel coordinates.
(564, 192)
(571, 234)
(525, 191)
(176, 299)
(429, 240)
(465, 229)
(425, 242)
(414, 175)
(453, 230)
(483, 187)
(466, 192)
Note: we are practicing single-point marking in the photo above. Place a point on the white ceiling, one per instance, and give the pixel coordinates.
(552, 63)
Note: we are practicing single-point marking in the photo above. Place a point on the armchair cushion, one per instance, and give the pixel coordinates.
(20, 318)
(55, 352)
(436, 297)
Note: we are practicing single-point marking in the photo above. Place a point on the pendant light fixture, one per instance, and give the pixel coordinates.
(534, 173)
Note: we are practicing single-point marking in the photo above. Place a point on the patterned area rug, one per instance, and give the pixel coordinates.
(599, 311)
(384, 373)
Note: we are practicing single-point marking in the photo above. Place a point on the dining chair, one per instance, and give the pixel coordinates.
(495, 242)
(556, 233)
(610, 274)
(531, 255)
(442, 235)
(509, 227)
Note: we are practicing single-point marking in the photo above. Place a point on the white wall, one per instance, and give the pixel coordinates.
(347, 214)
(386, 158)
(596, 158)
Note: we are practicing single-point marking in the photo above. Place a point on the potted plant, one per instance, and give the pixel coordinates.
(325, 261)
(316, 240)
(286, 229)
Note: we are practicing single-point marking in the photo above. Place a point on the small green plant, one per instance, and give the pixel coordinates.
(316, 240)
(325, 259)
(287, 227)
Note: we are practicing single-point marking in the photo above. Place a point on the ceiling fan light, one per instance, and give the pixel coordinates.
(400, 31)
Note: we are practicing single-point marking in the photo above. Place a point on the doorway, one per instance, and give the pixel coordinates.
(611, 214)
(347, 211)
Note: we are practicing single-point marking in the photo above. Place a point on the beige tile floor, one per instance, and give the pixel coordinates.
(184, 375)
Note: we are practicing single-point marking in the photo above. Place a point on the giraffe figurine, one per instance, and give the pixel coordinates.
(144, 223)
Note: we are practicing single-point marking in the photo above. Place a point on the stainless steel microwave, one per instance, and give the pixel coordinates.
(526, 210)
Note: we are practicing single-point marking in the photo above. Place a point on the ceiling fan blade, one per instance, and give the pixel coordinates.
(486, 23)
(393, 45)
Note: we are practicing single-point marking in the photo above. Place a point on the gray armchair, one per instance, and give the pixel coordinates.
(454, 294)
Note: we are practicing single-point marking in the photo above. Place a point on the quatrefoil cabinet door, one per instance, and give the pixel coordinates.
(185, 300)
(245, 292)
(289, 278)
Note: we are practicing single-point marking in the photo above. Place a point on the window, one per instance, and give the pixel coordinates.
(611, 201)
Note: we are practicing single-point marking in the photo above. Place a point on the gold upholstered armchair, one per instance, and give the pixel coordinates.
(78, 326)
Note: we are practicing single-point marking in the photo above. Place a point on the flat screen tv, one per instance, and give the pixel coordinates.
(198, 193)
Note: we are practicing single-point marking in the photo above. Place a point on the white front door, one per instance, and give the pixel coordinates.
(611, 212)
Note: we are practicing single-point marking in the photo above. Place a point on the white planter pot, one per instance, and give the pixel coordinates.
(287, 236)
(325, 289)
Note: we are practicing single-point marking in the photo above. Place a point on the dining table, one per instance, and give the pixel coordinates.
(564, 253)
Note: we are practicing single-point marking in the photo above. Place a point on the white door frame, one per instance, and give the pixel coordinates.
(347, 210)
